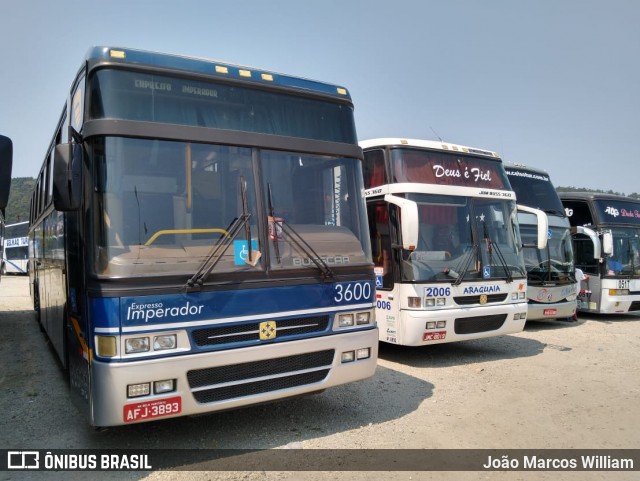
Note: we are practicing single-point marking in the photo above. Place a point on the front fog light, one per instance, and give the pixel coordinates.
(136, 344)
(348, 356)
(431, 325)
(363, 353)
(363, 317)
(441, 324)
(161, 343)
(160, 387)
(345, 320)
(137, 390)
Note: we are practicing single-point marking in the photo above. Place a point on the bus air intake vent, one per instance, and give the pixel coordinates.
(472, 325)
(245, 379)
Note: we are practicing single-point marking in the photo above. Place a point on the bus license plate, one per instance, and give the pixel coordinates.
(434, 336)
(550, 312)
(152, 409)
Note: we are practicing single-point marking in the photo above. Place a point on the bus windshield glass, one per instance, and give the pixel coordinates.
(553, 263)
(461, 236)
(160, 206)
(118, 94)
(626, 252)
(535, 190)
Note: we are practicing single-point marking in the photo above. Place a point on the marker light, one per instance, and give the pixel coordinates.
(137, 390)
(136, 344)
(221, 69)
(106, 346)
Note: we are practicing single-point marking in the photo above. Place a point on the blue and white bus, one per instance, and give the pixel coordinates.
(16, 248)
(200, 238)
(6, 156)
(446, 242)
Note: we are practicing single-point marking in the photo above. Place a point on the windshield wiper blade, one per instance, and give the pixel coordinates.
(223, 243)
(465, 263)
(490, 243)
(298, 241)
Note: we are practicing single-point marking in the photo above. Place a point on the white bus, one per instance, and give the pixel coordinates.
(446, 243)
(16, 248)
(551, 281)
(613, 270)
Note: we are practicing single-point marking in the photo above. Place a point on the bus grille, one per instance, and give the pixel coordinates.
(468, 300)
(239, 380)
(471, 325)
(247, 332)
(635, 306)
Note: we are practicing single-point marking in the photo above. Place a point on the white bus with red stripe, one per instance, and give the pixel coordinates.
(446, 242)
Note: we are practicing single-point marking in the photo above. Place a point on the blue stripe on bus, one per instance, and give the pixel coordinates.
(227, 306)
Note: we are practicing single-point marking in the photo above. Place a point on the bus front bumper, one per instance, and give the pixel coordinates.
(232, 378)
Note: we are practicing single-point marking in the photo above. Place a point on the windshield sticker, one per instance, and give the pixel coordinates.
(241, 252)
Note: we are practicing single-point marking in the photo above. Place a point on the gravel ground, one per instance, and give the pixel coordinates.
(555, 385)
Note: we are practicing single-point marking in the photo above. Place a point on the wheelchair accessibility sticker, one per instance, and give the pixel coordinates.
(241, 251)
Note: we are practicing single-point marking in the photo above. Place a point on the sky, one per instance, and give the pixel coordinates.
(554, 84)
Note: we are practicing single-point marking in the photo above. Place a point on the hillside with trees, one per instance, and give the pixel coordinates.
(19, 199)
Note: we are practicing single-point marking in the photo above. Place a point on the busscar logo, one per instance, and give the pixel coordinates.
(23, 460)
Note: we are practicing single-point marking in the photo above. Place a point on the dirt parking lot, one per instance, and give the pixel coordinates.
(555, 385)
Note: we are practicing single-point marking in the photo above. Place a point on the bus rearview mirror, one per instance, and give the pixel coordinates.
(67, 177)
(542, 222)
(6, 156)
(607, 244)
(409, 220)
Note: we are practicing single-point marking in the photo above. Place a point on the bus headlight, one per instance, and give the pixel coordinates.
(136, 344)
(618, 292)
(161, 343)
(345, 320)
(363, 318)
(414, 302)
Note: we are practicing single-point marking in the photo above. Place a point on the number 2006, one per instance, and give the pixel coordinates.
(437, 291)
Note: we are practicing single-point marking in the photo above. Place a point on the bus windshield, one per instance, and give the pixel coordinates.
(160, 206)
(553, 263)
(458, 236)
(626, 252)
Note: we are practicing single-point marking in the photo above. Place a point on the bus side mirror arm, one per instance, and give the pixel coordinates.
(542, 222)
(67, 177)
(409, 220)
(600, 250)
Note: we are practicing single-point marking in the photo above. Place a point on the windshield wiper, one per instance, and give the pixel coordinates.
(490, 244)
(297, 240)
(223, 243)
(465, 263)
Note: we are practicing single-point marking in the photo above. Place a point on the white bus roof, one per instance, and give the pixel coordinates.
(425, 144)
